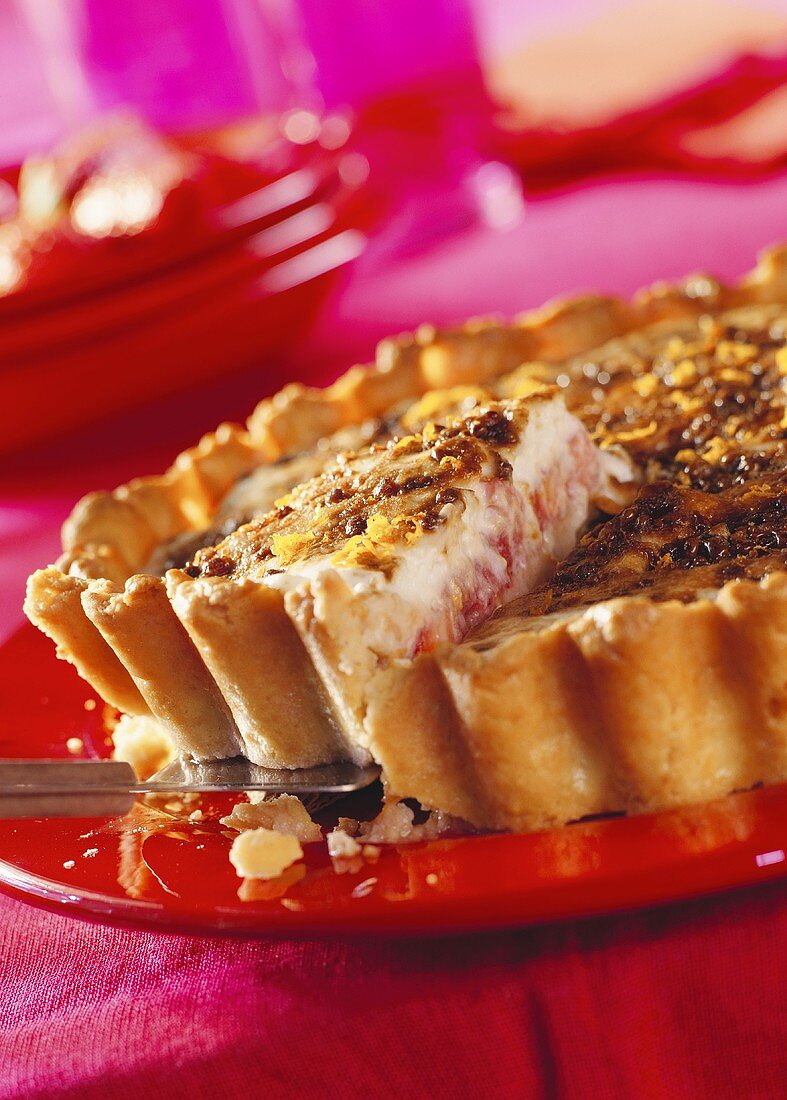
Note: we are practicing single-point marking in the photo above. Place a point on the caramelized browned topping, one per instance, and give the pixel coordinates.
(495, 426)
(673, 543)
(692, 407)
(178, 551)
(369, 502)
(704, 417)
(701, 408)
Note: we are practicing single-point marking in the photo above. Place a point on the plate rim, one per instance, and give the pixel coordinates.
(677, 875)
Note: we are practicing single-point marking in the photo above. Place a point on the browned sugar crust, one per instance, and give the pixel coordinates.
(694, 407)
(704, 415)
(408, 482)
(699, 408)
(670, 544)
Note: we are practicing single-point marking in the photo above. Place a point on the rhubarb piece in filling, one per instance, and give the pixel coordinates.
(413, 543)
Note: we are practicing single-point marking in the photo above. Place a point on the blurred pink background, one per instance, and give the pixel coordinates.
(196, 63)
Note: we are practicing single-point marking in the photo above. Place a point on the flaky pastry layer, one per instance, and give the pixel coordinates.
(629, 705)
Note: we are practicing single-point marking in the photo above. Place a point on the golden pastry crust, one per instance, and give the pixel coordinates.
(628, 705)
(138, 625)
(251, 649)
(455, 756)
(54, 603)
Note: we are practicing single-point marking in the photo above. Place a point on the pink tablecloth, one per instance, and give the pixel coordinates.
(672, 1005)
(683, 1003)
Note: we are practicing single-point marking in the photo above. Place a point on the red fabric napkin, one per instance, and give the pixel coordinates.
(689, 132)
(680, 1003)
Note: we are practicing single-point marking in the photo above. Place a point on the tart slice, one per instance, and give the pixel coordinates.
(390, 552)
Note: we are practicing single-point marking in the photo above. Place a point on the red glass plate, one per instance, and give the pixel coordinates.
(157, 868)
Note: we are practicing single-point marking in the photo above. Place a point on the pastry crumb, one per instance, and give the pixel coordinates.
(69, 864)
(89, 704)
(345, 852)
(354, 842)
(196, 815)
(75, 745)
(89, 853)
(264, 853)
(341, 845)
(395, 824)
(284, 814)
(143, 743)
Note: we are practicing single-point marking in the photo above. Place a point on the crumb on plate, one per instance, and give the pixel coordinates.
(341, 845)
(143, 743)
(284, 814)
(264, 853)
(345, 852)
(395, 824)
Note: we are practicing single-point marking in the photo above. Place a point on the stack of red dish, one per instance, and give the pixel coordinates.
(136, 265)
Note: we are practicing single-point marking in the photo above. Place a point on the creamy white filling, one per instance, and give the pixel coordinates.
(498, 541)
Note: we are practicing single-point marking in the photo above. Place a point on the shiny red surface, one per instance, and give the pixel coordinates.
(160, 870)
(231, 270)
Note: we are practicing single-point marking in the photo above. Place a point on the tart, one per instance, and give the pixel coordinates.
(233, 597)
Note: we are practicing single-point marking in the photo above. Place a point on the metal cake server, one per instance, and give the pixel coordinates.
(107, 788)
